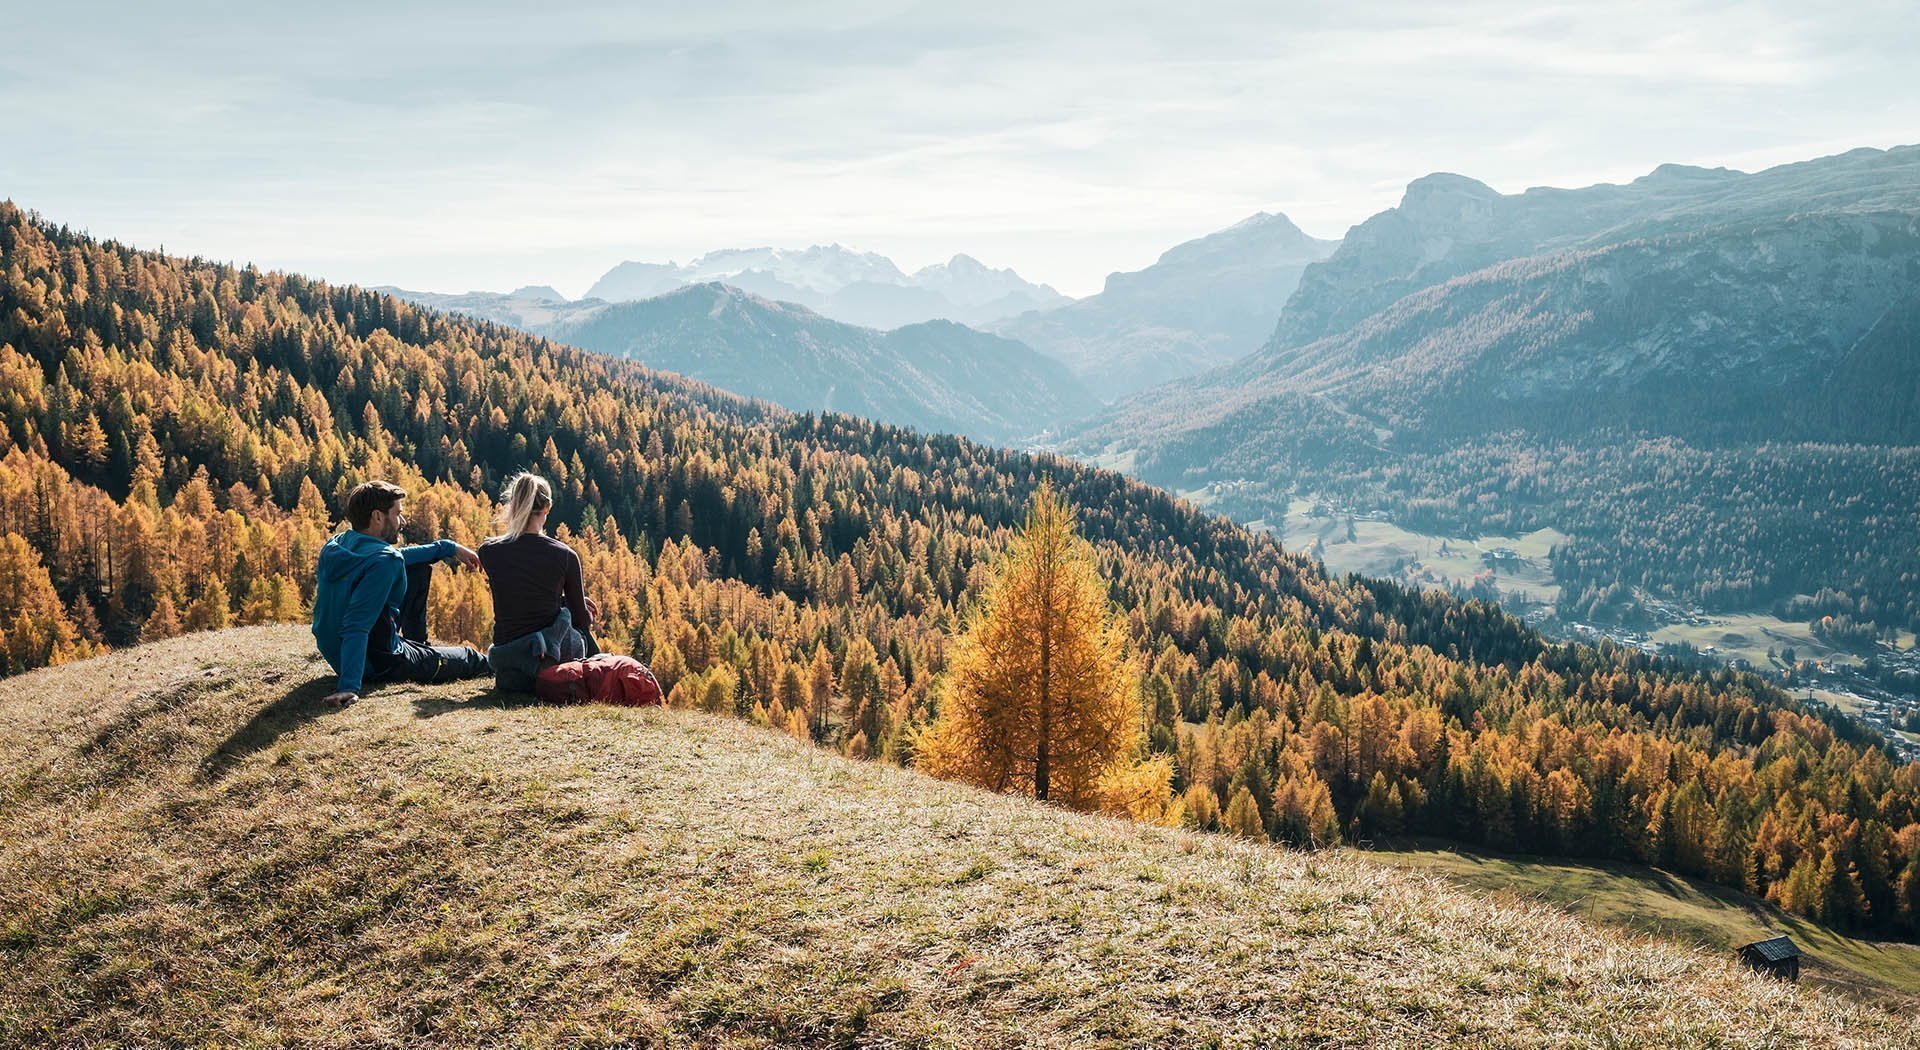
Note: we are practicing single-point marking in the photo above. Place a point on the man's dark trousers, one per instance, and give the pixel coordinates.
(417, 661)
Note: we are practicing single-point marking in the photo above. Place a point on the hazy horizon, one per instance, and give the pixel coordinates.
(476, 147)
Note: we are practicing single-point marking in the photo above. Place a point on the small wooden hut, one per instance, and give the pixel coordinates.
(1777, 957)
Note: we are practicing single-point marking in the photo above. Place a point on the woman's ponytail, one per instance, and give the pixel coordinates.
(525, 495)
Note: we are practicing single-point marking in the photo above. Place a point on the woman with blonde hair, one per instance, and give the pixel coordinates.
(541, 614)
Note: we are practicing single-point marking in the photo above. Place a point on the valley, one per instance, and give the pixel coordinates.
(1881, 686)
(1677, 414)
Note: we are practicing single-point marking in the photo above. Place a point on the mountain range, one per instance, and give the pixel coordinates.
(937, 376)
(1707, 309)
(1204, 303)
(862, 288)
(1666, 305)
(1425, 365)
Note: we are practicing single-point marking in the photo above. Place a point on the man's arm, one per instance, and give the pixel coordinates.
(364, 608)
(439, 550)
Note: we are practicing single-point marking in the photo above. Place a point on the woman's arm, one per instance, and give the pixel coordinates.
(574, 597)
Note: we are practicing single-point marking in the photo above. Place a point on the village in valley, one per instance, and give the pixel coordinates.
(1881, 688)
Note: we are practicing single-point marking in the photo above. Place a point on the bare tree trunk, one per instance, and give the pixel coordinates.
(1042, 767)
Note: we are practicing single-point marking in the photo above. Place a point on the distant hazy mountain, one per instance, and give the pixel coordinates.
(1687, 302)
(1202, 304)
(936, 375)
(972, 285)
(861, 288)
(530, 309)
(1727, 333)
(1449, 225)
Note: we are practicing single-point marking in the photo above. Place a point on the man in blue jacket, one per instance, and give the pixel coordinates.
(370, 600)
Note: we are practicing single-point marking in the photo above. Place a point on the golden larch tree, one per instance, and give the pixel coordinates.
(1040, 696)
(35, 629)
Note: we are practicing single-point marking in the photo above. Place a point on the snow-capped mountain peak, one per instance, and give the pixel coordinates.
(842, 283)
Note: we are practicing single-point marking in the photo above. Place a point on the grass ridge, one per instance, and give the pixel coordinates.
(439, 865)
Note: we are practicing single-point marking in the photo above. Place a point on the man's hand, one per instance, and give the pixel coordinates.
(340, 699)
(466, 556)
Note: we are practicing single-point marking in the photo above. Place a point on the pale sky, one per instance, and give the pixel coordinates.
(475, 145)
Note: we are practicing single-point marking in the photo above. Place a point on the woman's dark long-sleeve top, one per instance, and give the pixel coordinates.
(531, 576)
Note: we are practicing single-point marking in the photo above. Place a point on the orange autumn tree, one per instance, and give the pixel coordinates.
(1041, 696)
(35, 629)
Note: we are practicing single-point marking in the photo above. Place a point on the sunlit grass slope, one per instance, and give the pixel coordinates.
(1654, 901)
(193, 851)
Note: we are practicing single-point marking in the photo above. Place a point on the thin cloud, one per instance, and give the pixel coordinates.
(485, 145)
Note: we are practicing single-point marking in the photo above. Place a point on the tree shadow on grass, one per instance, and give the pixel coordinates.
(1660, 879)
(300, 705)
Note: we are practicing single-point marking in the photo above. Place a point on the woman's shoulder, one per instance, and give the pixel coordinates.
(496, 547)
(526, 541)
(556, 546)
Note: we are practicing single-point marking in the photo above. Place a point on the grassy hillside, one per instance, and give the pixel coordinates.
(1654, 901)
(193, 850)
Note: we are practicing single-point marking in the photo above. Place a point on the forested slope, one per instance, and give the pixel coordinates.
(178, 433)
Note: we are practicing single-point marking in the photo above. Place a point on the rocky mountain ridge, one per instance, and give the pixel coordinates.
(1449, 225)
(1706, 304)
(1203, 303)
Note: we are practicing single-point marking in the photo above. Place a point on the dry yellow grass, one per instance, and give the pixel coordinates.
(193, 851)
(1675, 907)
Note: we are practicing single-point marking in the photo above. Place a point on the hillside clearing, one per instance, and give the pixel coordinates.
(192, 850)
(1382, 548)
(1752, 637)
(1649, 900)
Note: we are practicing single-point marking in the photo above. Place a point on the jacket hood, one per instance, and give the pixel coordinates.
(347, 554)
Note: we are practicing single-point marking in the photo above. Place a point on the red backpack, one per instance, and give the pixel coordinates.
(608, 678)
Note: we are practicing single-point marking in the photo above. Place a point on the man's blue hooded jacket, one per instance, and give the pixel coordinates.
(357, 594)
